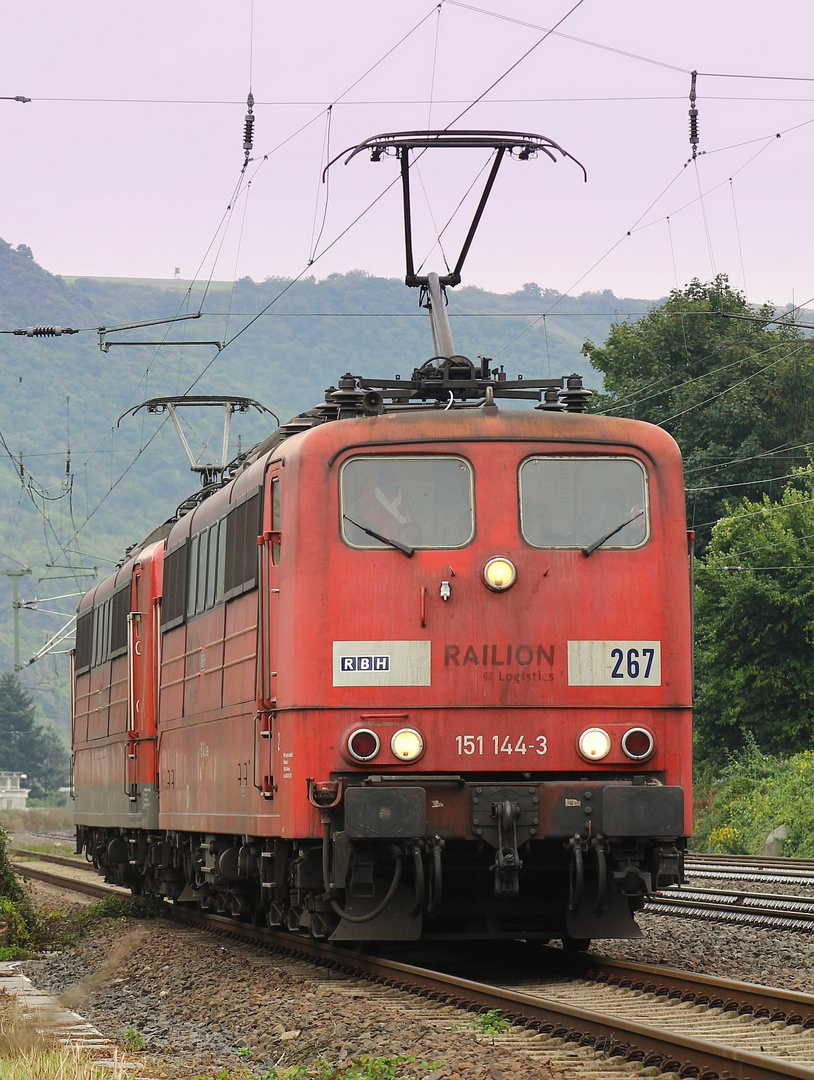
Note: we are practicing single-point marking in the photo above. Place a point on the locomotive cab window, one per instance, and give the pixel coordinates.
(423, 502)
(578, 502)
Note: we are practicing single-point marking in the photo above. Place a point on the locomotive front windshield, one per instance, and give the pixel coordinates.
(575, 502)
(425, 502)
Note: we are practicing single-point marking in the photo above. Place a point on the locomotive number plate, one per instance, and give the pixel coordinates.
(614, 663)
(501, 744)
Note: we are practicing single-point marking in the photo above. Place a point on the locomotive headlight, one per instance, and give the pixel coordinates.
(363, 744)
(594, 744)
(499, 574)
(407, 744)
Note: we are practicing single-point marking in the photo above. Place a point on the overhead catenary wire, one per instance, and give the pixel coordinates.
(114, 483)
(282, 292)
(437, 8)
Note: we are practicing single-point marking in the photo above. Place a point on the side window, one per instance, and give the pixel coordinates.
(203, 551)
(206, 569)
(97, 634)
(422, 501)
(242, 529)
(578, 502)
(221, 571)
(108, 613)
(101, 632)
(84, 641)
(212, 568)
(173, 604)
(218, 563)
(192, 591)
(120, 609)
(275, 521)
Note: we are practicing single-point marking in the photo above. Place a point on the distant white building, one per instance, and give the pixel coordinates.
(12, 796)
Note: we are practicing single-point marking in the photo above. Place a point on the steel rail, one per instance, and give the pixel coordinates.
(779, 871)
(613, 1035)
(758, 901)
(795, 914)
(59, 860)
(89, 888)
(771, 1002)
(780, 862)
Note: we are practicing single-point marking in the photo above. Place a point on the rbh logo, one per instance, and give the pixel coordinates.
(364, 663)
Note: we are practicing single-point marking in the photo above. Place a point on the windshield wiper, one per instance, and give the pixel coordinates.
(591, 548)
(405, 549)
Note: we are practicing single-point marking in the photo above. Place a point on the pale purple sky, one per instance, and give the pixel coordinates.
(125, 161)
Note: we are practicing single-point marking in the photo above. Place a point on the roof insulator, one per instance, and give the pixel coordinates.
(574, 396)
(551, 401)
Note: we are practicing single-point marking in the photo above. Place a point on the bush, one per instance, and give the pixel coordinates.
(16, 908)
(754, 795)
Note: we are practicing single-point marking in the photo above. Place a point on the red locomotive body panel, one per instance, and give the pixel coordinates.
(499, 661)
(296, 641)
(115, 682)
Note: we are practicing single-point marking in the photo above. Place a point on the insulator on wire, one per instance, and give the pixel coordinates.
(45, 331)
(694, 129)
(248, 140)
(694, 139)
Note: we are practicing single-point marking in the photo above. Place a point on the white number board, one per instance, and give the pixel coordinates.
(382, 663)
(614, 663)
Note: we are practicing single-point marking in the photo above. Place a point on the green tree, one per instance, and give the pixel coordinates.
(755, 627)
(25, 746)
(733, 389)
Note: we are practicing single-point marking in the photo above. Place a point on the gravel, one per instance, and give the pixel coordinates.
(728, 951)
(200, 1004)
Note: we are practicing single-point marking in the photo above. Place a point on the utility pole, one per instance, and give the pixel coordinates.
(15, 576)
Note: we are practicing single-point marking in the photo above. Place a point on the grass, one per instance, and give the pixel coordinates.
(25, 1054)
(492, 1022)
(61, 930)
(53, 847)
(38, 819)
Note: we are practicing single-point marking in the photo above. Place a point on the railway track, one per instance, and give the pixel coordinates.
(775, 871)
(767, 910)
(759, 909)
(682, 1023)
(89, 883)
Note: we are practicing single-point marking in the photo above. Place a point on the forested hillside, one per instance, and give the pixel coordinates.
(76, 490)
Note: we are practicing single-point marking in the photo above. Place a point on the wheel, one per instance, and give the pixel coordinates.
(575, 945)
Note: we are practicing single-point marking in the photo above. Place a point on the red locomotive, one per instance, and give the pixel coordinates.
(422, 666)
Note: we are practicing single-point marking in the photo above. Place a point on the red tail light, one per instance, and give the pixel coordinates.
(363, 744)
(638, 744)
